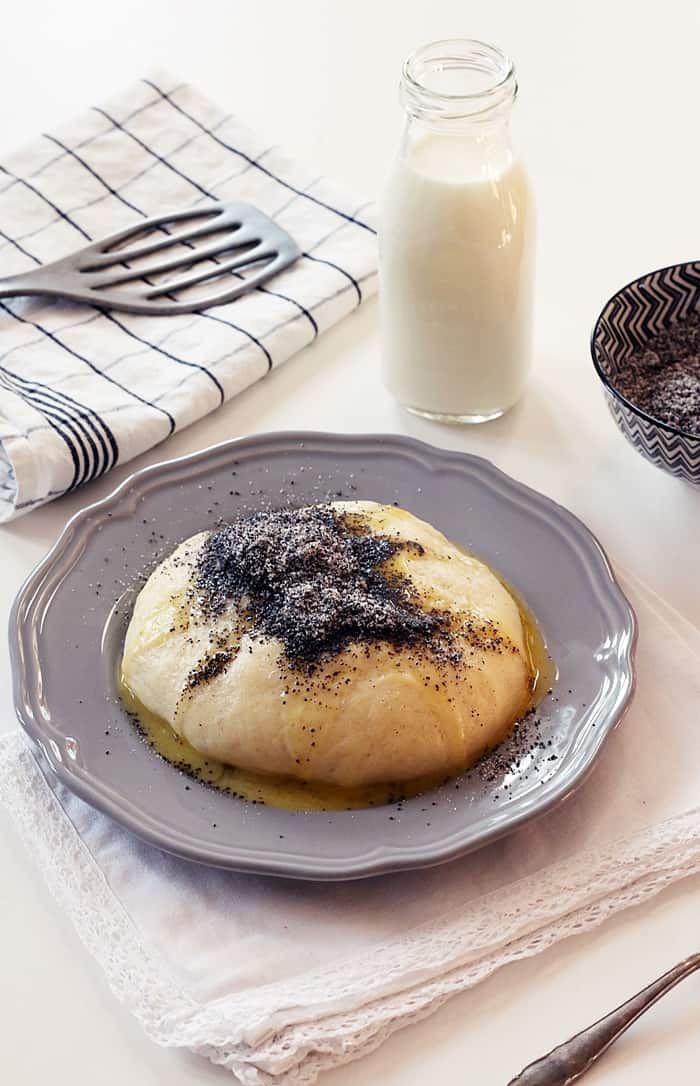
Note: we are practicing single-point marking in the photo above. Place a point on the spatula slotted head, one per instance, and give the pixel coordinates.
(174, 263)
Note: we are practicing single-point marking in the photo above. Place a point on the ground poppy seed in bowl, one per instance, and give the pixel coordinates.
(663, 377)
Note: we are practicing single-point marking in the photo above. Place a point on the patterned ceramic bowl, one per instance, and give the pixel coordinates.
(638, 311)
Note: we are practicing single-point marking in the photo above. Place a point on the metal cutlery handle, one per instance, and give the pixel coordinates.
(35, 285)
(568, 1061)
(12, 286)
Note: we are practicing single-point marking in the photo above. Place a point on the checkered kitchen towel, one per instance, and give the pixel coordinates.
(82, 390)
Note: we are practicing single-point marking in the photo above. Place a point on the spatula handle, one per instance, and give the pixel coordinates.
(15, 285)
(18, 286)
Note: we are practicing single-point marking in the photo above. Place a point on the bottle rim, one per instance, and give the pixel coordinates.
(457, 78)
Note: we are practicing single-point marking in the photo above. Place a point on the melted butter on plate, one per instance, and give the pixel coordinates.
(274, 791)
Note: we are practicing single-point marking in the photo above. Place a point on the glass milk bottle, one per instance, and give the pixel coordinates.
(456, 246)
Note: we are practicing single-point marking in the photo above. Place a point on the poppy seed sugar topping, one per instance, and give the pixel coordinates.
(313, 578)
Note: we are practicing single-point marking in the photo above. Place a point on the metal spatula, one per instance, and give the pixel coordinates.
(217, 242)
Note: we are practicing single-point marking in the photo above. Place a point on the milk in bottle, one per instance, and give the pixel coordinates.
(456, 241)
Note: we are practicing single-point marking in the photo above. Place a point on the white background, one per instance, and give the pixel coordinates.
(608, 124)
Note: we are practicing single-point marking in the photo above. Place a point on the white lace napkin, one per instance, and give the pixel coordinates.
(81, 390)
(278, 979)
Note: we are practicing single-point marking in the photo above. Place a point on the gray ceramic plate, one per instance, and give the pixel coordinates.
(69, 619)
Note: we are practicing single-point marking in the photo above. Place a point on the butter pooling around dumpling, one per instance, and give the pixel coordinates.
(347, 643)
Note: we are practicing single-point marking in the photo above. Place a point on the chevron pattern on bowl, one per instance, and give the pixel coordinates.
(637, 312)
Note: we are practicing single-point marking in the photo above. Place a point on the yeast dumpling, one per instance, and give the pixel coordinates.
(347, 643)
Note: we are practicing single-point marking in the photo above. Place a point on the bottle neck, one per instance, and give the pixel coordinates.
(494, 133)
(453, 156)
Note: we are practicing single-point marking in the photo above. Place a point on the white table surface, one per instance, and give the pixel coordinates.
(608, 121)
